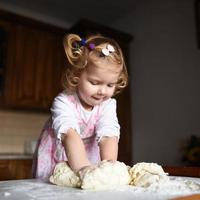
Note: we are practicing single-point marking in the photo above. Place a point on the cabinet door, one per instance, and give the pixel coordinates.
(15, 169)
(5, 171)
(5, 29)
(35, 62)
(23, 168)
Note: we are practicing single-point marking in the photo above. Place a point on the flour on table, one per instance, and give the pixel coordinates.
(6, 194)
(64, 176)
(106, 175)
(145, 174)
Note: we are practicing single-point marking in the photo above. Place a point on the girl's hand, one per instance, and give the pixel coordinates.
(111, 161)
(81, 173)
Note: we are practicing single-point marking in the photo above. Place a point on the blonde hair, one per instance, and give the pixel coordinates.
(78, 53)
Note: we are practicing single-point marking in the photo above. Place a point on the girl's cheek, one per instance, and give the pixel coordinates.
(112, 91)
(91, 89)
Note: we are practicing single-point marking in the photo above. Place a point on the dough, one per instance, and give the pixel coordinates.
(106, 175)
(144, 174)
(103, 176)
(64, 176)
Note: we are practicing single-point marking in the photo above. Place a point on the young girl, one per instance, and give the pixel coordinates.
(84, 128)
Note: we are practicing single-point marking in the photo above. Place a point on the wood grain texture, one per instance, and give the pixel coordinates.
(190, 197)
(182, 171)
(15, 169)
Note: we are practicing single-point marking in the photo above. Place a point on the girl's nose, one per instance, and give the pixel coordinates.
(102, 90)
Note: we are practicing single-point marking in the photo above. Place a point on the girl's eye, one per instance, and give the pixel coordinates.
(94, 82)
(111, 85)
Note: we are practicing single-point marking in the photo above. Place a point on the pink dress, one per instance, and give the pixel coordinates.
(50, 150)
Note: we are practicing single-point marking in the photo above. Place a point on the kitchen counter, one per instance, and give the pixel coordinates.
(32, 189)
(11, 156)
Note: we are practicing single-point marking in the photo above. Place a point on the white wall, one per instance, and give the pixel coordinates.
(32, 11)
(165, 78)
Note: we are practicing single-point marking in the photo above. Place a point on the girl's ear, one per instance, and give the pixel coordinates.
(75, 80)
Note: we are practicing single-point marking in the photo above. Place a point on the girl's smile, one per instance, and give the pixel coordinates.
(97, 83)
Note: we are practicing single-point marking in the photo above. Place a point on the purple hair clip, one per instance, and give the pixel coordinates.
(92, 46)
(83, 42)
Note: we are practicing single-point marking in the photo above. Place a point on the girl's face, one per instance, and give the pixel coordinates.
(97, 83)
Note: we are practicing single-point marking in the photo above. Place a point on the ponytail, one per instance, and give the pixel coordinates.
(75, 52)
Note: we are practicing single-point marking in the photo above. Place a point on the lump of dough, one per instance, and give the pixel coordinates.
(64, 176)
(144, 174)
(106, 175)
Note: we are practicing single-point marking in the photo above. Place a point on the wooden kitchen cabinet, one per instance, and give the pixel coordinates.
(14, 169)
(34, 63)
(5, 29)
(182, 171)
(34, 69)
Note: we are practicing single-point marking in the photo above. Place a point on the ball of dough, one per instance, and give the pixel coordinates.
(144, 174)
(106, 175)
(64, 176)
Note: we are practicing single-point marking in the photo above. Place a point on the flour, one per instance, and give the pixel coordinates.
(175, 186)
(39, 190)
(6, 194)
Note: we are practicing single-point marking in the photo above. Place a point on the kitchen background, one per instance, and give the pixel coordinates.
(19, 129)
(164, 66)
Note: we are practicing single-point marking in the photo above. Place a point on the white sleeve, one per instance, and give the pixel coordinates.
(108, 125)
(63, 116)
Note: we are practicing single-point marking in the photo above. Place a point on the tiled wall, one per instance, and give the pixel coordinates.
(18, 129)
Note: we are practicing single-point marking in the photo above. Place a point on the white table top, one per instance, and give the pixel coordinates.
(32, 189)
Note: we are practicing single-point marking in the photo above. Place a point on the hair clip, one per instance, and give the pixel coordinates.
(92, 46)
(109, 49)
(77, 44)
(83, 42)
